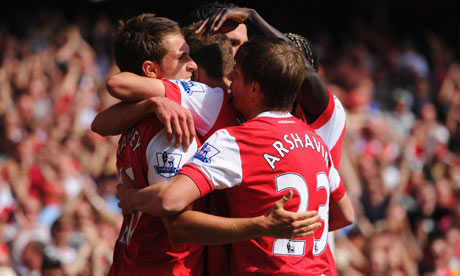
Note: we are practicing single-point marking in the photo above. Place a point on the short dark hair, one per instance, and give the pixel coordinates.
(206, 10)
(141, 38)
(213, 54)
(306, 47)
(278, 66)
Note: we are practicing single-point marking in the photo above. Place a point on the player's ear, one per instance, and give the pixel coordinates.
(150, 69)
(255, 88)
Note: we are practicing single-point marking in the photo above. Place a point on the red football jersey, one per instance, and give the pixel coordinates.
(211, 108)
(144, 247)
(260, 160)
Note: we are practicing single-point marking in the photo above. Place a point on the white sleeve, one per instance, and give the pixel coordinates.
(334, 179)
(331, 131)
(219, 159)
(204, 103)
(164, 159)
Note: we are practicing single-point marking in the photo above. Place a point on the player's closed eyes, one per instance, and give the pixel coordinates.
(183, 57)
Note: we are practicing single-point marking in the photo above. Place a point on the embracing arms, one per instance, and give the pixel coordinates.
(170, 200)
(198, 227)
(142, 97)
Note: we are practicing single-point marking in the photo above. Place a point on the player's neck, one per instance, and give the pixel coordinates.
(255, 110)
(218, 83)
(254, 103)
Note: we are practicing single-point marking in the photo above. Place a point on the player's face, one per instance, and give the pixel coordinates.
(240, 90)
(237, 37)
(177, 63)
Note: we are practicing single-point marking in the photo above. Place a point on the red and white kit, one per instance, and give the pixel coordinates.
(260, 161)
(144, 247)
(330, 126)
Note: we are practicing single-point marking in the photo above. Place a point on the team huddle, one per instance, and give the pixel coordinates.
(229, 151)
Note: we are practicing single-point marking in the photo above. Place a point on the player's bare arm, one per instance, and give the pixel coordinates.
(172, 197)
(160, 199)
(341, 213)
(197, 227)
(129, 87)
(176, 119)
(107, 123)
(313, 96)
(227, 19)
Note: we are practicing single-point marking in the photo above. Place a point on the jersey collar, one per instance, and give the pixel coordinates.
(274, 114)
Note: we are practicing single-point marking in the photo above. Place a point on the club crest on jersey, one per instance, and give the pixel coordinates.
(206, 152)
(168, 163)
(191, 87)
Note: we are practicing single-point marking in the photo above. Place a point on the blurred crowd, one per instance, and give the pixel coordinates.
(57, 178)
(400, 160)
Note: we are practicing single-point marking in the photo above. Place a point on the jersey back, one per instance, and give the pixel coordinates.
(260, 161)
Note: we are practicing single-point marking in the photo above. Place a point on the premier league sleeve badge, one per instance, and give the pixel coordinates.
(168, 164)
(205, 153)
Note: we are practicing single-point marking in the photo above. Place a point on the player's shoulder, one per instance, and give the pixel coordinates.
(190, 87)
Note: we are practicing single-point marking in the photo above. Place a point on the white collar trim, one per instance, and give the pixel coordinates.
(274, 114)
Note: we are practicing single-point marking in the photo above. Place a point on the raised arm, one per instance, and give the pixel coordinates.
(313, 96)
(129, 87)
(227, 19)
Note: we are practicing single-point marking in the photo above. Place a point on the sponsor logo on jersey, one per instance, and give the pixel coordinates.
(168, 164)
(206, 152)
(191, 87)
(286, 122)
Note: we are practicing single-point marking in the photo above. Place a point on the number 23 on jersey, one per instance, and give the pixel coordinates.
(287, 247)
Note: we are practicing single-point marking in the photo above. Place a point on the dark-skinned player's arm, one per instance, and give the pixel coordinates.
(313, 96)
(227, 19)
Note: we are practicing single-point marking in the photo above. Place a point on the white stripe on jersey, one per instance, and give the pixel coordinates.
(164, 159)
(197, 96)
(223, 161)
(330, 132)
(334, 179)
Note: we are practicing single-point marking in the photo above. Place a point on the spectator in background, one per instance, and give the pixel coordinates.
(49, 91)
(31, 259)
(60, 247)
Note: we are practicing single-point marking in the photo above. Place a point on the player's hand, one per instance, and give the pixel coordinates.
(223, 21)
(283, 224)
(126, 186)
(177, 120)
